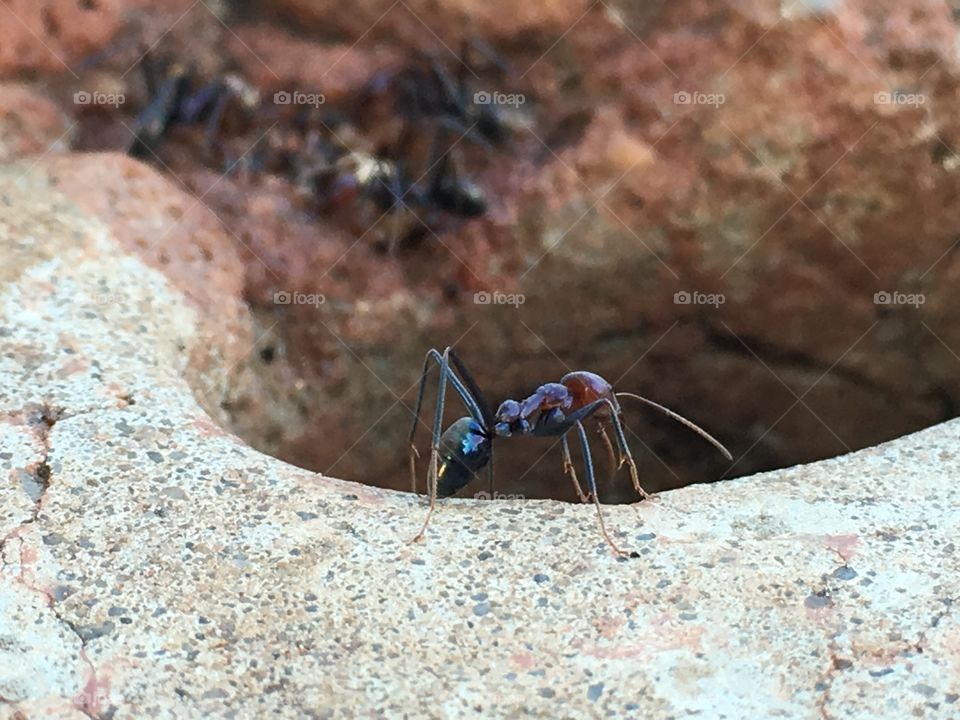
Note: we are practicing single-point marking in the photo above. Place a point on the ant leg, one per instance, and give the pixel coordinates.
(434, 442)
(466, 395)
(397, 193)
(570, 470)
(583, 413)
(626, 456)
(452, 98)
(414, 453)
(212, 125)
(490, 473)
(152, 123)
(614, 463)
(591, 481)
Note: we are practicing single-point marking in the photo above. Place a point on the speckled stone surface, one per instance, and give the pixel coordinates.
(153, 565)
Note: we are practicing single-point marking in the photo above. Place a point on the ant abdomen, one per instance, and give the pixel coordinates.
(464, 450)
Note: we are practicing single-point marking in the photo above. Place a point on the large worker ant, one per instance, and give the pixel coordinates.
(554, 410)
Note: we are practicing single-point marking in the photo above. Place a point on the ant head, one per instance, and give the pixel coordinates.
(509, 417)
(508, 412)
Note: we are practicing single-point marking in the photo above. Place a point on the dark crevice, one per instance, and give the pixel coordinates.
(945, 400)
(42, 420)
(772, 355)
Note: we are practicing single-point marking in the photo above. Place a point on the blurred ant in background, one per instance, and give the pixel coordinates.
(390, 153)
(358, 176)
(179, 98)
(432, 108)
(466, 447)
(425, 91)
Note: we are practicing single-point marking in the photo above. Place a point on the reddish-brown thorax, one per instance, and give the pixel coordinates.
(587, 387)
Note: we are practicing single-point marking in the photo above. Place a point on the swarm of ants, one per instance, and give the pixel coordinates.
(387, 162)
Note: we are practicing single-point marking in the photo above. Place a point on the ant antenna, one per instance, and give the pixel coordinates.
(682, 420)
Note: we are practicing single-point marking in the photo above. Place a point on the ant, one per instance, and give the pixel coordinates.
(425, 90)
(577, 390)
(356, 175)
(374, 152)
(466, 447)
(177, 101)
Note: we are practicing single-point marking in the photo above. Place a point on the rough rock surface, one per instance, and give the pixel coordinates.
(154, 565)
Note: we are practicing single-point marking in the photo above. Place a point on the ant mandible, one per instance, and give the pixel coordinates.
(466, 447)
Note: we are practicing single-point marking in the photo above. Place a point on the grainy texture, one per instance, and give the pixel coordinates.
(153, 565)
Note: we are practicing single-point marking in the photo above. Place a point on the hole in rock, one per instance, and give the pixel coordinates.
(668, 257)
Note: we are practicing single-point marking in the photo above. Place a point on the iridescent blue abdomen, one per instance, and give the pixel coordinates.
(464, 450)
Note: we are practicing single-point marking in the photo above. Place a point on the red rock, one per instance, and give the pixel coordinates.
(52, 35)
(275, 60)
(30, 123)
(174, 233)
(445, 23)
